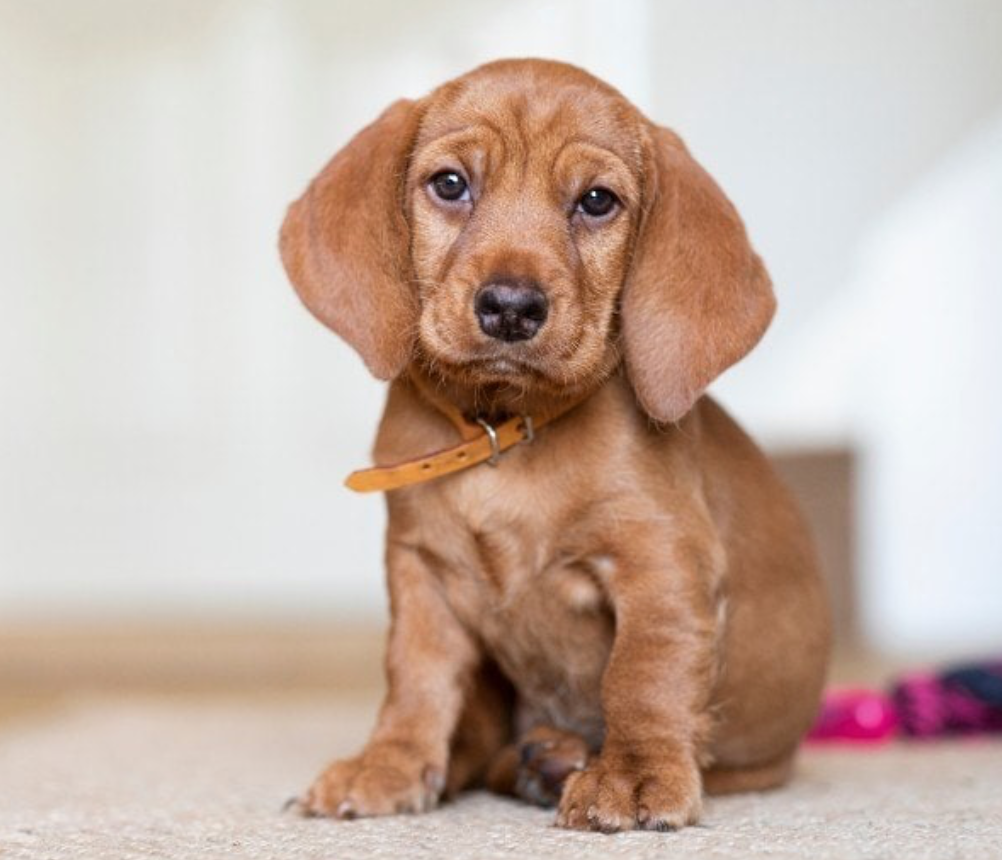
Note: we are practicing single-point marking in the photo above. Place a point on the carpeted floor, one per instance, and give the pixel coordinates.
(186, 778)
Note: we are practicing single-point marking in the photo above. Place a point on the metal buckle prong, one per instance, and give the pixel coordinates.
(529, 432)
(492, 434)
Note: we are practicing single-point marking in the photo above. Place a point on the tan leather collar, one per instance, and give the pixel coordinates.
(482, 443)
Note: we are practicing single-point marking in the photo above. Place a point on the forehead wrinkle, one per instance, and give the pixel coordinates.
(467, 140)
(601, 161)
(528, 112)
(566, 125)
(591, 149)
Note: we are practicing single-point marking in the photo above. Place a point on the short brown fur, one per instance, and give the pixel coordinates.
(637, 579)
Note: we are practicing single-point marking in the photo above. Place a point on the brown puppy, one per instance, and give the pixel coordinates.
(632, 598)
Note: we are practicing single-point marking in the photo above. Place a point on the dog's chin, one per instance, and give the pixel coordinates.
(511, 376)
(494, 370)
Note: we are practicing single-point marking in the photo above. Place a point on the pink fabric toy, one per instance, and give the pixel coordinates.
(961, 700)
(855, 715)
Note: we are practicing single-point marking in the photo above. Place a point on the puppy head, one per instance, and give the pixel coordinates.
(493, 230)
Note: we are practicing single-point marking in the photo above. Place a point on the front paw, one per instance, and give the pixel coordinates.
(620, 793)
(383, 780)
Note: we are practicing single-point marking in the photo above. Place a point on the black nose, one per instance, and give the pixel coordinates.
(511, 311)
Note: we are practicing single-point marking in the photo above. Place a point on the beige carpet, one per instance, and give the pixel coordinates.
(196, 778)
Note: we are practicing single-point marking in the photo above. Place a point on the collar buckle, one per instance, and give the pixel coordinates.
(492, 434)
(526, 428)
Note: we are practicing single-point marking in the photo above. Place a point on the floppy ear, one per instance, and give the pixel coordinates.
(345, 243)
(698, 297)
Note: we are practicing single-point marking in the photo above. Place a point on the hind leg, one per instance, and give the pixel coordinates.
(537, 766)
(757, 777)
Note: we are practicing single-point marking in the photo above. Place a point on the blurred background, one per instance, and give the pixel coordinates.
(175, 427)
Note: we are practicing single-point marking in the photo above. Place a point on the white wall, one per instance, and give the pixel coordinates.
(924, 383)
(175, 427)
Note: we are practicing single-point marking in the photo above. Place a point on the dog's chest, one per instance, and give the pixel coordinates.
(528, 578)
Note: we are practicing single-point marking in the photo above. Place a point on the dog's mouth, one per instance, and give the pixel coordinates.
(495, 369)
(513, 376)
(503, 366)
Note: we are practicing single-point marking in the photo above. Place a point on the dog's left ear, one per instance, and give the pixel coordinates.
(346, 243)
(697, 298)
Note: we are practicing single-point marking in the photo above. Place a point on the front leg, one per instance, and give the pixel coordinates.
(655, 693)
(429, 662)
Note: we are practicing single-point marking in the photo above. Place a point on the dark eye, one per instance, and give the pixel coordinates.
(449, 185)
(597, 202)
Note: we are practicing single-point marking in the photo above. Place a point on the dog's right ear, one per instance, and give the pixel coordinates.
(345, 243)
